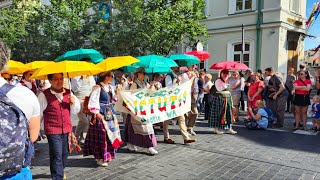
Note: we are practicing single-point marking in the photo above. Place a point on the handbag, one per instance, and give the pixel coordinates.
(85, 108)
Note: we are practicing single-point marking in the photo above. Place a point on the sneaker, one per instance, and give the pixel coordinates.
(190, 131)
(132, 147)
(188, 141)
(217, 131)
(231, 131)
(169, 141)
(152, 151)
(100, 162)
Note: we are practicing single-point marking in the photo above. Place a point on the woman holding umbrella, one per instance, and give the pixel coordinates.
(138, 134)
(221, 115)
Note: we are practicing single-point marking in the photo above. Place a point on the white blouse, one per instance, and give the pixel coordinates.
(220, 85)
(94, 100)
(209, 84)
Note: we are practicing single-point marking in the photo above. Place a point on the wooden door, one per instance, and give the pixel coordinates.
(292, 55)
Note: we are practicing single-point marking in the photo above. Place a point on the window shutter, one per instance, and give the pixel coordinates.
(232, 6)
(254, 5)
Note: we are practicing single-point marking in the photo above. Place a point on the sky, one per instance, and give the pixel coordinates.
(311, 43)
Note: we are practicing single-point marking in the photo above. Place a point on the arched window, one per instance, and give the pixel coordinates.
(237, 50)
(234, 50)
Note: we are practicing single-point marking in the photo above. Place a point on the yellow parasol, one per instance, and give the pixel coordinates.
(16, 67)
(38, 64)
(69, 69)
(112, 63)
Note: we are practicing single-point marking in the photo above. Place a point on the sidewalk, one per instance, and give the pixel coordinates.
(270, 154)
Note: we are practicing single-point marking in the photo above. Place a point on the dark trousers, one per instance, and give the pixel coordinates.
(206, 107)
(289, 101)
(58, 150)
(242, 101)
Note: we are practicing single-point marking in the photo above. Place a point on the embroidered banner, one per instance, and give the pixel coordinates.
(153, 106)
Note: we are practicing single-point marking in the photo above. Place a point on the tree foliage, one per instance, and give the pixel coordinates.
(155, 26)
(51, 30)
(137, 27)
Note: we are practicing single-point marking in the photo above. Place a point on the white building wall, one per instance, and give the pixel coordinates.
(269, 48)
(278, 18)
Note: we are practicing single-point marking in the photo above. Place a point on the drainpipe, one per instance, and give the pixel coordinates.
(258, 26)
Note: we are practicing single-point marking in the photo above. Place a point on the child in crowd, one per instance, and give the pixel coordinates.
(258, 120)
(315, 110)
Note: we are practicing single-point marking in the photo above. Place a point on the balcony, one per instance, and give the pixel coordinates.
(5, 3)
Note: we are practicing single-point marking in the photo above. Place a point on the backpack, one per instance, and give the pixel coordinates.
(271, 118)
(13, 136)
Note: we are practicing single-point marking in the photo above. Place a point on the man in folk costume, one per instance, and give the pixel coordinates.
(81, 86)
(171, 80)
(193, 114)
(27, 82)
(56, 104)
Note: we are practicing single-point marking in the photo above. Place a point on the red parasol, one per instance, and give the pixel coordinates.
(229, 65)
(202, 55)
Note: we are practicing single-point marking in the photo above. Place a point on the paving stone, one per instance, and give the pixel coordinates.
(247, 155)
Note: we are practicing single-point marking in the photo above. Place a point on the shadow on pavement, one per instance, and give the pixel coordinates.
(41, 176)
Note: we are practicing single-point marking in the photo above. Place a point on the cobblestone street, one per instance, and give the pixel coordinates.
(270, 154)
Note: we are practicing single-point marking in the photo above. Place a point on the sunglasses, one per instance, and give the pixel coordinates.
(301, 74)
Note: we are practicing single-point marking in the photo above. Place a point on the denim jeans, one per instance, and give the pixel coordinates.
(200, 103)
(58, 150)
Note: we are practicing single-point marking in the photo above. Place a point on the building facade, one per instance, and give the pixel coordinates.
(274, 32)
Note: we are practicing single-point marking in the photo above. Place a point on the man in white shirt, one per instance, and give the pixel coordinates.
(193, 114)
(173, 79)
(24, 99)
(81, 86)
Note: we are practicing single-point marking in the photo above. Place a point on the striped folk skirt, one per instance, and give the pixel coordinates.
(98, 144)
(144, 141)
(220, 113)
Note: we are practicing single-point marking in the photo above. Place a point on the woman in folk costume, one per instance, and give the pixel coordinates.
(103, 137)
(27, 82)
(221, 114)
(138, 134)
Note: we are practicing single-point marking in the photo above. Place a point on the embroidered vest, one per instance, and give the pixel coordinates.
(57, 114)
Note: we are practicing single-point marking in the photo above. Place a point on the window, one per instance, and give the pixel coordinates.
(234, 48)
(243, 5)
(295, 6)
(239, 6)
(237, 53)
(202, 64)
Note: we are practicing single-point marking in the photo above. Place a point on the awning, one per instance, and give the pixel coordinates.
(298, 33)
